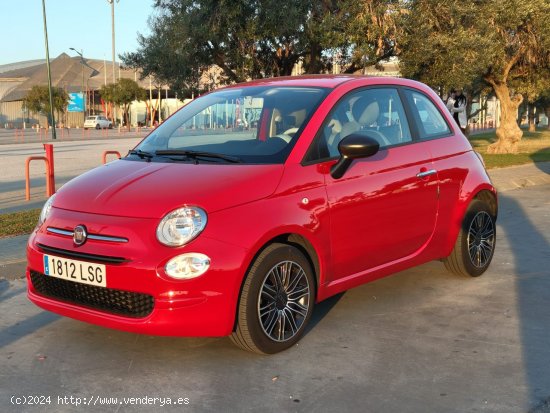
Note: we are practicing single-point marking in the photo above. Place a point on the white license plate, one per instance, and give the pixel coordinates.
(76, 271)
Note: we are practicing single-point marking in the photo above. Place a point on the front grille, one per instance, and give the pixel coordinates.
(125, 303)
(83, 255)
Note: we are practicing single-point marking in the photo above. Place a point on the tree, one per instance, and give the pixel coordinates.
(460, 42)
(123, 93)
(533, 88)
(250, 39)
(246, 39)
(38, 101)
(363, 33)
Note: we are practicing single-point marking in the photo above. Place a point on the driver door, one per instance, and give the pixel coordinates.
(381, 211)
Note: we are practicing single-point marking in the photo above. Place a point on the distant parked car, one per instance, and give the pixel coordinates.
(98, 122)
(202, 231)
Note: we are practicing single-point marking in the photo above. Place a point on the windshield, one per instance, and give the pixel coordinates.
(244, 125)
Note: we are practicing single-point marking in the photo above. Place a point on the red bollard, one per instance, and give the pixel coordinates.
(48, 147)
(27, 176)
(104, 156)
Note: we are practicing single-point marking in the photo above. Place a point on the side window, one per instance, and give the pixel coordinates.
(374, 112)
(431, 122)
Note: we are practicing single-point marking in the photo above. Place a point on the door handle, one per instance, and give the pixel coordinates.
(426, 173)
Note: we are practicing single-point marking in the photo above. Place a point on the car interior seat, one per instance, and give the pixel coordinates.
(365, 113)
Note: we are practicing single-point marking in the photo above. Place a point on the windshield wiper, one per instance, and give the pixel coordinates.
(196, 154)
(142, 154)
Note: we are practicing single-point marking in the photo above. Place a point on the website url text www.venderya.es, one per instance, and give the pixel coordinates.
(94, 400)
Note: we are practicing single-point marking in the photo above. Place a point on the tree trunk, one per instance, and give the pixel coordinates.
(127, 116)
(160, 104)
(508, 133)
(314, 63)
(522, 110)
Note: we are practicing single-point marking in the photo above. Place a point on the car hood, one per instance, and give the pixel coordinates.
(150, 190)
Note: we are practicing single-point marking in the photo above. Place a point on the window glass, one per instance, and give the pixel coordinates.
(431, 122)
(256, 124)
(377, 113)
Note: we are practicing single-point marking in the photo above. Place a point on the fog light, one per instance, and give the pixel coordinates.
(187, 266)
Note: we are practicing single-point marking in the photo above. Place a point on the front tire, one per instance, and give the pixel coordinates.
(276, 301)
(97, 126)
(475, 245)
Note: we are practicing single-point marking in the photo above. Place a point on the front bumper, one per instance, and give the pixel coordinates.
(204, 306)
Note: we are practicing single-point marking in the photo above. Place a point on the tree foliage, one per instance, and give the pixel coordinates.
(506, 45)
(362, 33)
(249, 39)
(38, 100)
(123, 93)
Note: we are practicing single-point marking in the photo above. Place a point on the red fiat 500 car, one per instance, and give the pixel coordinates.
(254, 202)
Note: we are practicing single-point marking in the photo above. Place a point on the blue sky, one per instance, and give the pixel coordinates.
(82, 24)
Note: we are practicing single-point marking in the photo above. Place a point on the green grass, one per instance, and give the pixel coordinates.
(18, 223)
(534, 147)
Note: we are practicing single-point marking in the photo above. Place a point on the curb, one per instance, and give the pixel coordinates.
(520, 176)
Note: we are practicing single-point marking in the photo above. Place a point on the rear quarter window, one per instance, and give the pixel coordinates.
(431, 122)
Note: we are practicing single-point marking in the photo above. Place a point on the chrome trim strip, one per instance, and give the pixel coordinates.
(426, 173)
(60, 231)
(82, 255)
(106, 238)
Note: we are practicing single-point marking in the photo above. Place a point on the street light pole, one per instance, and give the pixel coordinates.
(48, 67)
(81, 54)
(112, 2)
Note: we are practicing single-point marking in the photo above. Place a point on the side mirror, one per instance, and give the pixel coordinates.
(352, 147)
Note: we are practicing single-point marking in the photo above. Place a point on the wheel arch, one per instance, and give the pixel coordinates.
(290, 238)
(484, 192)
(490, 198)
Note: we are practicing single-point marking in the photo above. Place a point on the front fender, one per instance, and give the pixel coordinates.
(256, 224)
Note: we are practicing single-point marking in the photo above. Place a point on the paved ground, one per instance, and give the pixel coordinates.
(71, 158)
(419, 341)
(10, 136)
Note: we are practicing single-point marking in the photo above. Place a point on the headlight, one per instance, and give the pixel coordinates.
(46, 210)
(187, 266)
(181, 226)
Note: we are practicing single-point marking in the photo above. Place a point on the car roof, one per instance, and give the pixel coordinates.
(326, 81)
(329, 81)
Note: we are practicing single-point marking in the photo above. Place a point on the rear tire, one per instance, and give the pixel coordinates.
(475, 244)
(97, 126)
(276, 301)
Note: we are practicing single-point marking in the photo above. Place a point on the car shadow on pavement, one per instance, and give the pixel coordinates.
(543, 166)
(532, 269)
(321, 310)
